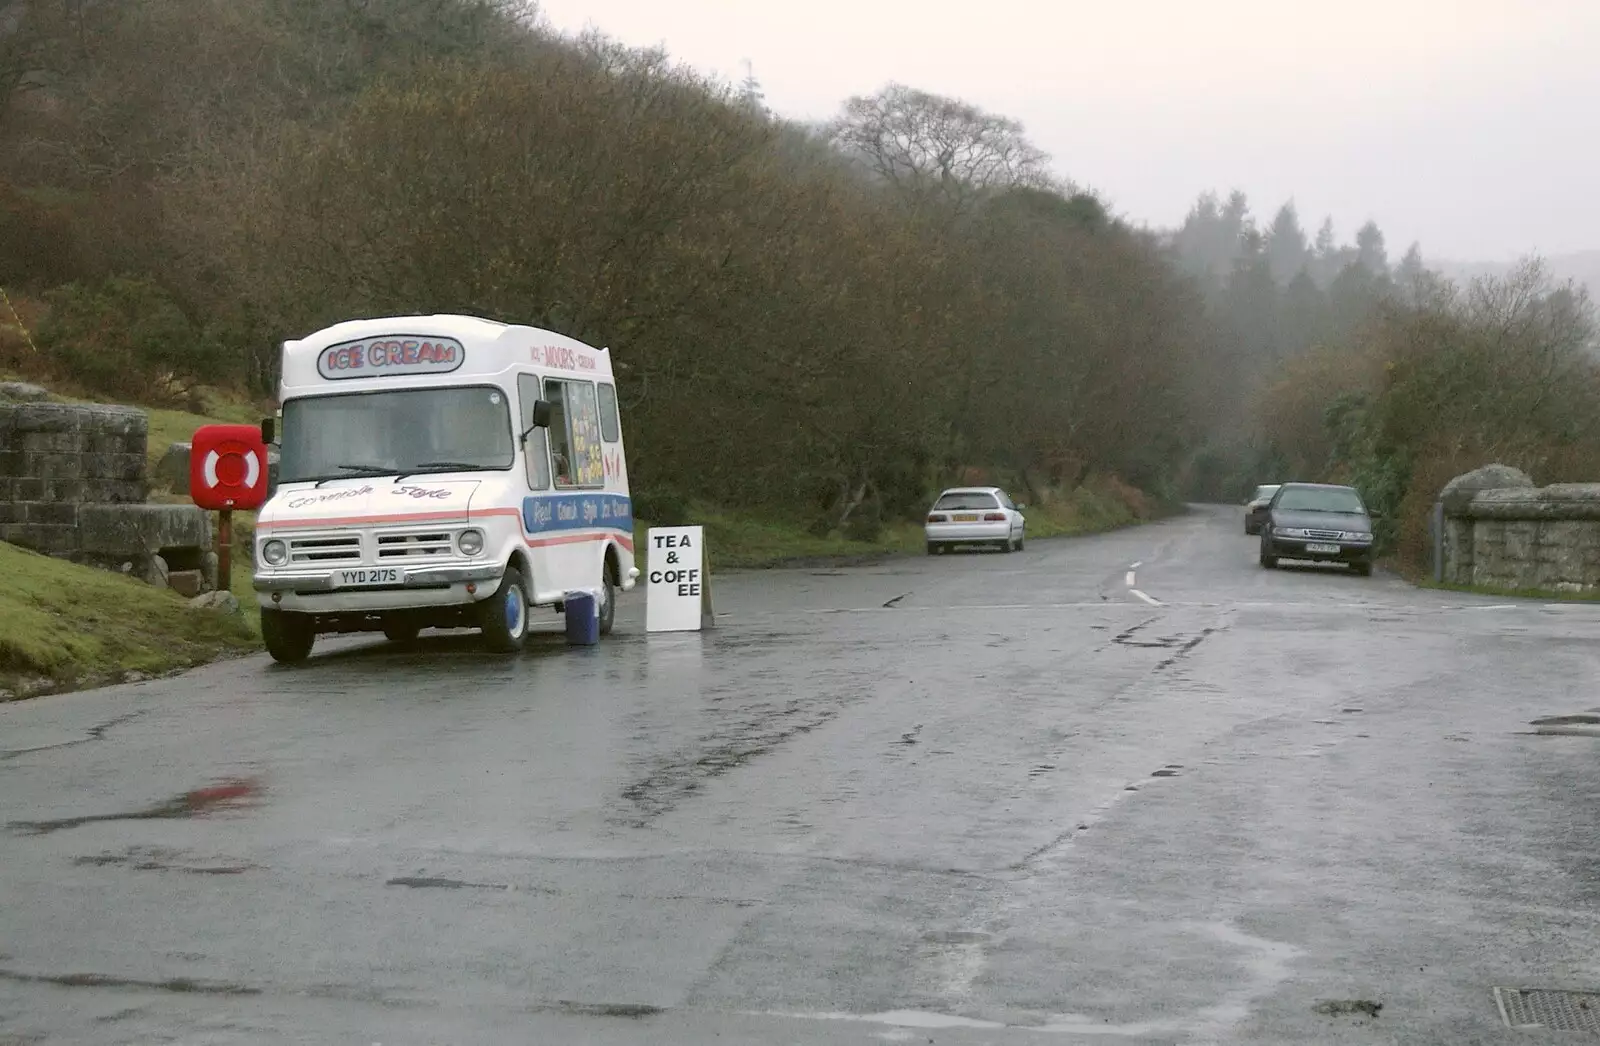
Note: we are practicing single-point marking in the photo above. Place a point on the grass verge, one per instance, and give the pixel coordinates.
(65, 626)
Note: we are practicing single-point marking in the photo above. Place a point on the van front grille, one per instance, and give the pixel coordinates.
(409, 546)
(343, 548)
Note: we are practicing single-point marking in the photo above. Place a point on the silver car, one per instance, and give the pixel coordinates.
(974, 516)
(1255, 510)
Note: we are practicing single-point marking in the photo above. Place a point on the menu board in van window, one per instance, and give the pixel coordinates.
(583, 408)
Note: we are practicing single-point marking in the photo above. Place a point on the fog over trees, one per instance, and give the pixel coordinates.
(831, 321)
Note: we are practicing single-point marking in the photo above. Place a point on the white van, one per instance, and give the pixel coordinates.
(440, 472)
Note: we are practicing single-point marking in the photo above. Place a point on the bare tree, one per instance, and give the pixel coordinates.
(931, 147)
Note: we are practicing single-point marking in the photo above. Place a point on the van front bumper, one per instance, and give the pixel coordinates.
(415, 577)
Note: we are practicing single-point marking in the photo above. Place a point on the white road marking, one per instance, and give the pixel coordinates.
(1136, 566)
(1147, 599)
(1128, 579)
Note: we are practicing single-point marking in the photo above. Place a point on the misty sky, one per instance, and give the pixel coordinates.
(1470, 125)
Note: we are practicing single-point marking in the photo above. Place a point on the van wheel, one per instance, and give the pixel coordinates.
(288, 636)
(503, 617)
(400, 630)
(608, 600)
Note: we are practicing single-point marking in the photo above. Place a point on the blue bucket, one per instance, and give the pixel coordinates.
(583, 619)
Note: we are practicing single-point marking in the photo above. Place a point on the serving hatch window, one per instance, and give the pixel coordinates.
(457, 429)
(575, 433)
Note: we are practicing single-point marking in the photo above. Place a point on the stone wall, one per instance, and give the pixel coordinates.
(72, 484)
(1521, 536)
(55, 457)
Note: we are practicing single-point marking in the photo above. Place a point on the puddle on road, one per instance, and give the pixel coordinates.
(228, 794)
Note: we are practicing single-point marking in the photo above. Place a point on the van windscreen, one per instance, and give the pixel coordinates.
(457, 429)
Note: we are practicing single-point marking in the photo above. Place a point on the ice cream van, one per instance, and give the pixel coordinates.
(440, 472)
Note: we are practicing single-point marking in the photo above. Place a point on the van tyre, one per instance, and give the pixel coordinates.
(1270, 562)
(503, 617)
(1363, 568)
(288, 636)
(608, 599)
(399, 630)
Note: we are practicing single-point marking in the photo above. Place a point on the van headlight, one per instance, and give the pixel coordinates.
(470, 542)
(274, 553)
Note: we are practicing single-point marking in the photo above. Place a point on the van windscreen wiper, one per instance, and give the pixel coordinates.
(438, 466)
(358, 469)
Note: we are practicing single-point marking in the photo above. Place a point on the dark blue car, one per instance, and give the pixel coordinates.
(1317, 522)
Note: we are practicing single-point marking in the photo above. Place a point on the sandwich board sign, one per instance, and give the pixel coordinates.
(677, 591)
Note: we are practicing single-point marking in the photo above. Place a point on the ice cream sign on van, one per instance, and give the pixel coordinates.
(389, 357)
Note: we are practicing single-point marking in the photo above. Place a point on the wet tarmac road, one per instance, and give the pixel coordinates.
(1131, 788)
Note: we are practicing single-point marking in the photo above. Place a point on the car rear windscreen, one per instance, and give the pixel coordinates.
(958, 502)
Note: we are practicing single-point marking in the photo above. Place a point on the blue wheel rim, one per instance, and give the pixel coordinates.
(513, 609)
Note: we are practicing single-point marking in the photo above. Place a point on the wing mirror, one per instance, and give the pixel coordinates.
(269, 430)
(540, 419)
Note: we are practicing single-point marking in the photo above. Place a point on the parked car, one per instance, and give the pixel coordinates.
(974, 516)
(1255, 510)
(1319, 522)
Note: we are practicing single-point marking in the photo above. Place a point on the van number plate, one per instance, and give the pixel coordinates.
(358, 578)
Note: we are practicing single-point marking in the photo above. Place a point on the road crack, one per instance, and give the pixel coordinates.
(427, 882)
(1187, 648)
(180, 985)
(94, 733)
(1130, 637)
(660, 791)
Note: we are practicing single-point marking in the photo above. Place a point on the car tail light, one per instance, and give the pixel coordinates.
(938, 517)
(994, 517)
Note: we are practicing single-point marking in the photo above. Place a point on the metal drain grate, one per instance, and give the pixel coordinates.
(1546, 1008)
